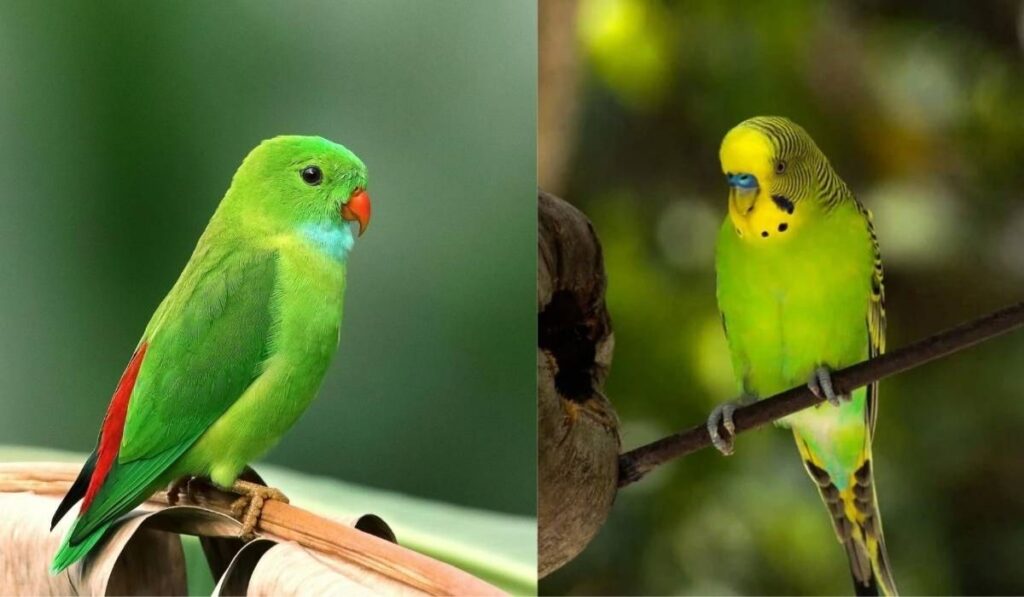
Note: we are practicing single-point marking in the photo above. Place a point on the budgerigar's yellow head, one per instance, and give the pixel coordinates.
(774, 169)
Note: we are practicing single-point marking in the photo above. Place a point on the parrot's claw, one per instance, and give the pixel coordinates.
(820, 384)
(249, 506)
(721, 415)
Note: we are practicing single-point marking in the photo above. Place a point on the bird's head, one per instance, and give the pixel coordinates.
(771, 166)
(305, 183)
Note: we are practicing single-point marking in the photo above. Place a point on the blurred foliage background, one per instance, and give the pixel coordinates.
(920, 107)
(121, 124)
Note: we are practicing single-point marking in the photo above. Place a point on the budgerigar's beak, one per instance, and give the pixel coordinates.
(743, 191)
(357, 210)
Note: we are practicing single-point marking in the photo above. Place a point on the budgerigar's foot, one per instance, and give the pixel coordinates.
(179, 487)
(249, 506)
(721, 416)
(820, 384)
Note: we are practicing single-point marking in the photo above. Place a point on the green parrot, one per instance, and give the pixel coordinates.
(238, 348)
(800, 294)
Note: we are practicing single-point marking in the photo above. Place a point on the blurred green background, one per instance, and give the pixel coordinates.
(121, 124)
(920, 107)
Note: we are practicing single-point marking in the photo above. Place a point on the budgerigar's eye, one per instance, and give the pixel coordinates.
(312, 175)
(780, 166)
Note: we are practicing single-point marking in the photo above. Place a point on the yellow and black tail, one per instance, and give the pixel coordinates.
(858, 526)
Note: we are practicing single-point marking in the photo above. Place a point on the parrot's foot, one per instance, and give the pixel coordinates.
(249, 506)
(820, 385)
(179, 487)
(721, 415)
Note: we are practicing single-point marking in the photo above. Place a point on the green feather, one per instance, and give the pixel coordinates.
(68, 554)
(238, 348)
(799, 287)
(208, 348)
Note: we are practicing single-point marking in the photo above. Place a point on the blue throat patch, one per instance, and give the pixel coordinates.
(335, 241)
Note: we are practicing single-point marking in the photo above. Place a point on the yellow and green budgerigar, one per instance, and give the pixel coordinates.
(800, 294)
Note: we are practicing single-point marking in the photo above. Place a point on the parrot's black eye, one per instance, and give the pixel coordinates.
(780, 166)
(312, 175)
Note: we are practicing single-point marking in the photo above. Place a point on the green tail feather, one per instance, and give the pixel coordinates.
(68, 554)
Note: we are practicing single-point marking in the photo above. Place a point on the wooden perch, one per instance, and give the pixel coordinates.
(207, 513)
(636, 463)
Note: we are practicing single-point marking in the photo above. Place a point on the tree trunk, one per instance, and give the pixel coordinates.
(578, 436)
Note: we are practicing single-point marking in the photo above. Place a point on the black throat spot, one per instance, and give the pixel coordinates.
(784, 203)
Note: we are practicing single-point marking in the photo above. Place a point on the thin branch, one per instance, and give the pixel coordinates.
(636, 463)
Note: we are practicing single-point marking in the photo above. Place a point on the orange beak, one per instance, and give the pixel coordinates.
(357, 210)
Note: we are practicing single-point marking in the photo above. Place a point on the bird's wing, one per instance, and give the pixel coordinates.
(875, 319)
(206, 345)
(855, 515)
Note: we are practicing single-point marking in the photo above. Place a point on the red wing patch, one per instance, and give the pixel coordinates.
(113, 426)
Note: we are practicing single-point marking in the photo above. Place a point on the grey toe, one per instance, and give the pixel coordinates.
(820, 384)
(722, 415)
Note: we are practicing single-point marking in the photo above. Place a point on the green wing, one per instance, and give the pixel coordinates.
(876, 317)
(205, 346)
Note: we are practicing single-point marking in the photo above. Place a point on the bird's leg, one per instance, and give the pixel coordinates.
(820, 384)
(178, 487)
(249, 506)
(721, 415)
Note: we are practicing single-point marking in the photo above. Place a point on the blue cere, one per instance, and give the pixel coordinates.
(742, 181)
